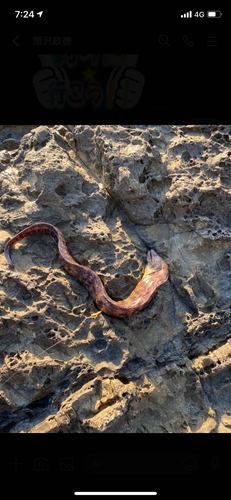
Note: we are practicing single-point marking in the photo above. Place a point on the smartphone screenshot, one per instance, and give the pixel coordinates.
(115, 232)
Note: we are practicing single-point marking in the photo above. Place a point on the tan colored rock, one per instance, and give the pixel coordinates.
(115, 192)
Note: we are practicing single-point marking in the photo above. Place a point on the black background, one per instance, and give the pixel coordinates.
(183, 84)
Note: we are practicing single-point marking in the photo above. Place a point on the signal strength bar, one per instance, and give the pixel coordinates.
(187, 14)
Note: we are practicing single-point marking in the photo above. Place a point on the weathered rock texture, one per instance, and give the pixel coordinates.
(115, 192)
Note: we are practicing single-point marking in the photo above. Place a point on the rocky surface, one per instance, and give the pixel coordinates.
(115, 192)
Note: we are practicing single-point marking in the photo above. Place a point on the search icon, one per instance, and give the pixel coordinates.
(163, 39)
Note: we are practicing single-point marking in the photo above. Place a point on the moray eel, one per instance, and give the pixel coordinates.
(155, 274)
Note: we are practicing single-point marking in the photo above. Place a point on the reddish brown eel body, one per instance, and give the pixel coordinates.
(155, 274)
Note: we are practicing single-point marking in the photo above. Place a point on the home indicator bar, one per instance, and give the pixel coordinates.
(115, 493)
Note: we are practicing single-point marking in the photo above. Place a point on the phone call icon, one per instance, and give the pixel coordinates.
(187, 41)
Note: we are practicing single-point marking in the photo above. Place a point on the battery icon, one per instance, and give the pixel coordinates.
(214, 13)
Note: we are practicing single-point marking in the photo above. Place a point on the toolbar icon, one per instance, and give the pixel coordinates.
(211, 41)
(163, 40)
(187, 14)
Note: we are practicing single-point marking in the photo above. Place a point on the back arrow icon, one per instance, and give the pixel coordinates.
(14, 41)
